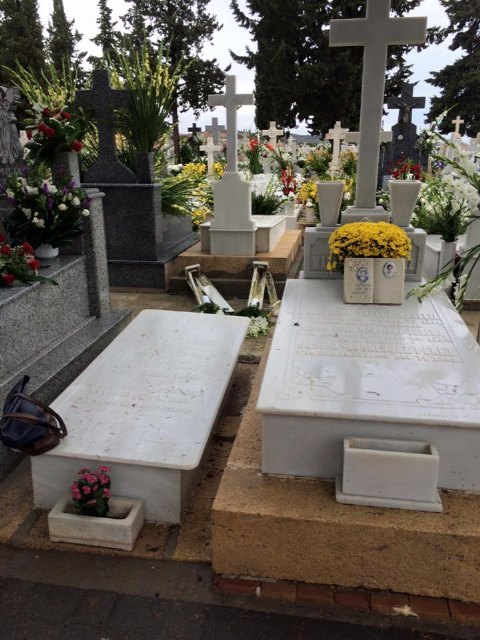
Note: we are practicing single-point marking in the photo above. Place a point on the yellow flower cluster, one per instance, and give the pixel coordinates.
(195, 170)
(199, 215)
(308, 191)
(367, 240)
(218, 169)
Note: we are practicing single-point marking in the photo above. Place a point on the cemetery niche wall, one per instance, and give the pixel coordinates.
(52, 332)
(140, 239)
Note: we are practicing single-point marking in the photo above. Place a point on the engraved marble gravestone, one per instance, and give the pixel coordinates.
(140, 239)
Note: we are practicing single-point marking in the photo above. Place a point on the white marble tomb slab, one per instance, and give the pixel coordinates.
(337, 371)
(145, 407)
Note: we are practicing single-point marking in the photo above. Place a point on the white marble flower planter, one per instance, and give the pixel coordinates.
(398, 474)
(118, 530)
(403, 198)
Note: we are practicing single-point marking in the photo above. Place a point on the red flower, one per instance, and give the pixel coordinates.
(8, 279)
(46, 112)
(2, 237)
(253, 144)
(50, 133)
(6, 250)
(29, 134)
(76, 145)
(42, 127)
(269, 146)
(65, 115)
(27, 248)
(34, 264)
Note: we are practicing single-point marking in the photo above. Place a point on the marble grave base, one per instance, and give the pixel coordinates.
(335, 371)
(269, 230)
(145, 407)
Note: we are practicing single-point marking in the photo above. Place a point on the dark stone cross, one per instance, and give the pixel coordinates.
(102, 100)
(194, 130)
(405, 102)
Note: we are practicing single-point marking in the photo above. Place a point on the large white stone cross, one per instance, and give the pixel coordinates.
(210, 149)
(374, 33)
(337, 134)
(457, 122)
(273, 133)
(231, 100)
(353, 137)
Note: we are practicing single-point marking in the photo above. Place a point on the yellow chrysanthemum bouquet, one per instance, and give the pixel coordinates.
(367, 240)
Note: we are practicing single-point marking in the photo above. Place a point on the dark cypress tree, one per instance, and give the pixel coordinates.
(107, 38)
(183, 27)
(297, 75)
(62, 39)
(21, 36)
(460, 82)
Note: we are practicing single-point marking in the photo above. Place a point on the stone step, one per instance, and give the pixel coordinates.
(37, 316)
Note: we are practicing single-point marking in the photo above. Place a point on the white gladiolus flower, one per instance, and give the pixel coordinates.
(39, 222)
(10, 194)
(62, 207)
(76, 202)
(85, 213)
(27, 212)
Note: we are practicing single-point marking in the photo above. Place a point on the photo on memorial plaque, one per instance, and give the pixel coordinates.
(389, 269)
(362, 274)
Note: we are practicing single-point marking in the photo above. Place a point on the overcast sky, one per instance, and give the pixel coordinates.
(232, 36)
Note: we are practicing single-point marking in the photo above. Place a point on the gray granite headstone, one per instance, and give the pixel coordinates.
(404, 133)
(215, 130)
(103, 100)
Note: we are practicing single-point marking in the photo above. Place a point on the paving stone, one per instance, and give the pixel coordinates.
(234, 585)
(465, 612)
(359, 600)
(317, 594)
(430, 608)
(226, 623)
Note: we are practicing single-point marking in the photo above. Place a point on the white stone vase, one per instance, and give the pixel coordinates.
(398, 474)
(289, 207)
(403, 198)
(329, 197)
(118, 530)
(46, 251)
(448, 251)
(309, 214)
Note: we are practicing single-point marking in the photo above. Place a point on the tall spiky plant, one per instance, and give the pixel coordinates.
(152, 88)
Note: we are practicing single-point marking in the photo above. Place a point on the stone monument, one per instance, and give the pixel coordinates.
(375, 33)
(210, 148)
(232, 231)
(11, 150)
(272, 133)
(140, 239)
(336, 135)
(215, 130)
(404, 133)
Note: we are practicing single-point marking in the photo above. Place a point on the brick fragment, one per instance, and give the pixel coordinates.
(235, 585)
(386, 601)
(280, 590)
(465, 612)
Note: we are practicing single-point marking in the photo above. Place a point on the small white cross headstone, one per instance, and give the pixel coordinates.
(457, 122)
(210, 149)
(272, 133)
(231, 100)
(215, 129)
(336, 135)
(375, 33)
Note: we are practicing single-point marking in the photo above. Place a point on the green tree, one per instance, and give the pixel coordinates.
(62, 40)
(21, 36)
(185, 26)
(107, 38)
(297, 75)
(459, 82)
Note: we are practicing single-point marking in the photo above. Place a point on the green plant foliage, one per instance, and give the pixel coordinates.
(152, 91)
